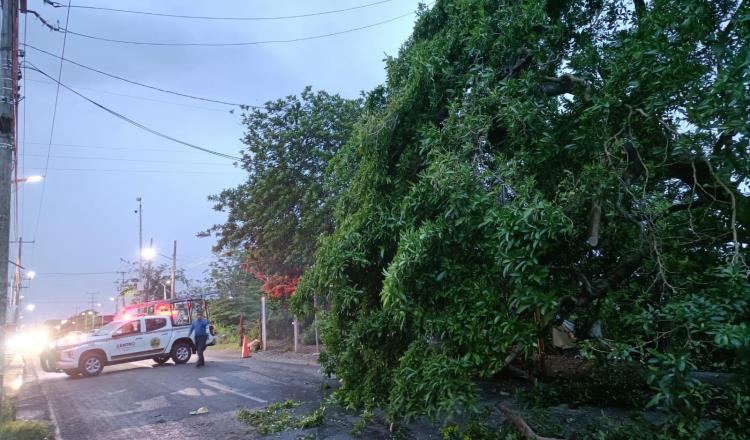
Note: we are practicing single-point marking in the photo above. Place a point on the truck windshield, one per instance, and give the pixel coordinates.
(109, 328)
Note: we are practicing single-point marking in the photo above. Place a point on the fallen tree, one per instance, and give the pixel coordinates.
(528, 162)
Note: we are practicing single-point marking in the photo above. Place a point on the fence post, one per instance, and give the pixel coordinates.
(242, 328)
(263, 320)
(295, 323)
(315, 321)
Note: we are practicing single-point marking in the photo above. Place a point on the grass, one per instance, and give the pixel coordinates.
(278, 417)
(23, 430)
(227, 346)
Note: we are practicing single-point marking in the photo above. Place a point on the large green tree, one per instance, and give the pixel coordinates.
(529, 161)
(278, 214)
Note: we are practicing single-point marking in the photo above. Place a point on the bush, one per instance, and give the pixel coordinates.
(9, 411)
(23, 430)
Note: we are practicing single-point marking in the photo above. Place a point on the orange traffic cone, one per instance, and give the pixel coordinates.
(245, 348)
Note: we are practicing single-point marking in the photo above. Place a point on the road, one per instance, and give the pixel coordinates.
(142, 401)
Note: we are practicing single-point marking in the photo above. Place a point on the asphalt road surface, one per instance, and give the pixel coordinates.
(142, 401)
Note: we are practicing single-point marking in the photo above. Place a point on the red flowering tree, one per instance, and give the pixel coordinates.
(276, 286)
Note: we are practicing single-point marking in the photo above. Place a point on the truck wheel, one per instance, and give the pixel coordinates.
(181, 353)
(91, 364)
(161, 359)
(72, 373)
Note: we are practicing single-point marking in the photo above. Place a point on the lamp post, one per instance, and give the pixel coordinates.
(148, 254)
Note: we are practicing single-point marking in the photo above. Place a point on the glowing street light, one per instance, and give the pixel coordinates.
(30, 274)
(29, 179)
(148, 253)
(30, 307)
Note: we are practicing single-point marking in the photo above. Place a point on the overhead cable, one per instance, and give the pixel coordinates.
(148, 86)
(142, 98)
(133, 122)
(113, 147)
(129, 171)
(119, 159)
(241, 43)
(51, 132)
(205, 17)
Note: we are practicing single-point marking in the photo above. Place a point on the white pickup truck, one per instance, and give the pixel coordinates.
(146, 337)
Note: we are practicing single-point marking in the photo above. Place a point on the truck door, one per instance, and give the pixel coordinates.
(157, 335)
(127, 340)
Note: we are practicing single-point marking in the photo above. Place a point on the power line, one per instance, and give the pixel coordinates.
(126, 95)
(122, 170)
(130, 81)
(135, 123)
(75, 273)
(245, 43)
(118, 159)
(203, 17)
(51, 131)
(109, 147)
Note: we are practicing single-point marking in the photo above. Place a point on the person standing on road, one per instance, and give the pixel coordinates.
(200, 328)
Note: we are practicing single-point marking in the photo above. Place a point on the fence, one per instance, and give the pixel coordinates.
(286, 332)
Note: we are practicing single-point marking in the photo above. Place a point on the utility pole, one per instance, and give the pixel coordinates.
(140, 238)
(8, 110)
(92, 304)
(148, 275)
(263, 321)
(17, 284)
(174, 270)
(17, 281)
(120, 290)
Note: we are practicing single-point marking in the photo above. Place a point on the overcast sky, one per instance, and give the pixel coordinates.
(99, 164)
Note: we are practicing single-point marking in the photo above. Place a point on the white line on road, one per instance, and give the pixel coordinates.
(210, 381)
(53, 419)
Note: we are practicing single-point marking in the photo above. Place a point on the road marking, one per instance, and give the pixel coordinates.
(209, 381)
(58, 436)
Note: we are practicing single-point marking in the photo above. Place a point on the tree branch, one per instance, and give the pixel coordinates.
(723, 141)
(521, 426)
(595, 218)
(555, 86)
(640, 8)
(522, 63)
(601, 286)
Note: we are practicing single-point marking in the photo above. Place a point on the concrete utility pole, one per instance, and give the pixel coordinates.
(8, 103)
(147, 287)
(263, 321)
(15, 297)
(174, 270)
(140, 240)
(17, 284)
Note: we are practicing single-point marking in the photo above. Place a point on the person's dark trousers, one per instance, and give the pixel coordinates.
(200, 346)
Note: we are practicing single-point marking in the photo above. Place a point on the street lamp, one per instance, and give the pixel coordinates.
(30, 307)
(30, 274)
(29, 179)
(148, 253)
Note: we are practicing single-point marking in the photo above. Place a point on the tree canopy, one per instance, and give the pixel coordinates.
(533, 161)
(285, 204)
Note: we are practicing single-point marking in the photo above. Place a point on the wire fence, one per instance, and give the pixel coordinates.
(286, 332)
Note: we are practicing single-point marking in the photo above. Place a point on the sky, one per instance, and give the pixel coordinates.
(82, 218)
